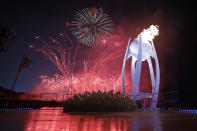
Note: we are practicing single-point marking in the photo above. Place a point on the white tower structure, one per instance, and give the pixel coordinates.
(142, 49)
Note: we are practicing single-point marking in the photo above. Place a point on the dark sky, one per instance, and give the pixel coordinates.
(46, 18)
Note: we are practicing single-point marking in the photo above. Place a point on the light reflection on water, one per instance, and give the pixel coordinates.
(56, 120)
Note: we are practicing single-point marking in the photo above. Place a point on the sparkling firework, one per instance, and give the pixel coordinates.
(89, 70)
(90, 25)
(61, 54)
(92, 82)
(94, 73)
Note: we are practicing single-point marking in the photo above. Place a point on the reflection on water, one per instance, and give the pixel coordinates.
(56, 120)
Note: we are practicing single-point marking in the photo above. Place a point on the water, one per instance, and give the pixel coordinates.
(55, 120)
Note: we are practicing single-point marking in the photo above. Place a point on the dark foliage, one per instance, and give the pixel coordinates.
(99, 102)
(139, 103)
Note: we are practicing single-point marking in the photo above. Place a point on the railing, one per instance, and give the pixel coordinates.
(67, 96)
(48, 95)
(54, 96)
(143, 95)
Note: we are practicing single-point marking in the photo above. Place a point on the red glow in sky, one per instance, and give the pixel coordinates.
(91, 69)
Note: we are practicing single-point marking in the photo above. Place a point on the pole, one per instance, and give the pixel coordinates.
(84, 83)
(13, 85)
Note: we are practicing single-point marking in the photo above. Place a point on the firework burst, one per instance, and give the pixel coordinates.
(90, 25)
(90, 77)
(92, 82)
(61, 53)
(89, 70)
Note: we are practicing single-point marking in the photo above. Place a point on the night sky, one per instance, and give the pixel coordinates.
(47, 18)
